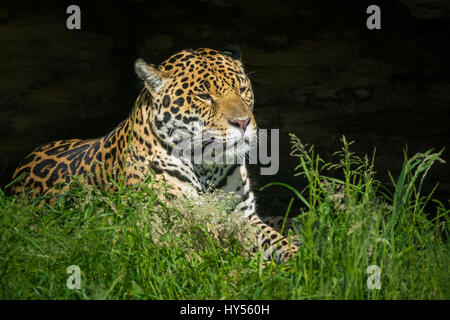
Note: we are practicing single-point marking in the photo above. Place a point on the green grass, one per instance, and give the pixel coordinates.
(130, 245)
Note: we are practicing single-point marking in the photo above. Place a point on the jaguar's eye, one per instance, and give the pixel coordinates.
(205, 97)
(243, 92)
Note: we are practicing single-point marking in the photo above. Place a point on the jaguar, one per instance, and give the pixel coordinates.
(191, 93)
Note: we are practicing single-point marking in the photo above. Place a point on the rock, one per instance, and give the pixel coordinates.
(158, 45)
(428, 9)
(323, 66)
(195, 31)
(362, 93)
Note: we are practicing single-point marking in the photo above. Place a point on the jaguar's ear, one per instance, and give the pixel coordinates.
(232, 51)
(153, 78)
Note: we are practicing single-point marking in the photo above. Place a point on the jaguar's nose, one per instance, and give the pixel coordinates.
(239, 123)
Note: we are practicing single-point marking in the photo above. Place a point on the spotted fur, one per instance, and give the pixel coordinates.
(193, 91)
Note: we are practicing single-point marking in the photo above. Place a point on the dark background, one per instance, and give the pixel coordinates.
(318, 72)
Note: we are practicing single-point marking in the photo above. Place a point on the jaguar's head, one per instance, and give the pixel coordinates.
(202, 96)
